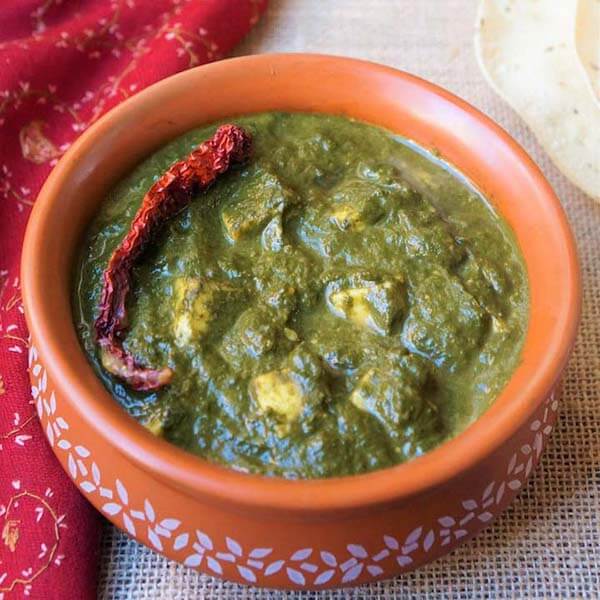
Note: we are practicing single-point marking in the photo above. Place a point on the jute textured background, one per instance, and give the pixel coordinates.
(548, 544)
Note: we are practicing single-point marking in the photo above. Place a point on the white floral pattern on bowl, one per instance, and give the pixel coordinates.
(304, 567)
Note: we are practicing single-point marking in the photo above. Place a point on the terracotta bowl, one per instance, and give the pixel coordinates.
(272, 532)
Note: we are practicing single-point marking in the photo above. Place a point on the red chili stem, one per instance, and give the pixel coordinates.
(168, 196)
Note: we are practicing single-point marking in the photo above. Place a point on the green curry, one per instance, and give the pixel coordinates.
(342, 303)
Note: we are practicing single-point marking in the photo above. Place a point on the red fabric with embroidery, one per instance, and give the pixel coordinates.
(63, 63)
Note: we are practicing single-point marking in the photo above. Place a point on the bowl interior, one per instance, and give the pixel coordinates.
(400, 102)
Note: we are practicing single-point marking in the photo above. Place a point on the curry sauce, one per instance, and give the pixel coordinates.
(341, 303)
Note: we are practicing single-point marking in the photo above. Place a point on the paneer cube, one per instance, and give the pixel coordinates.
(445, 323)
(387, 394)
(253, 335)
(346, 216)
(371, 305)
(293, 393)
(396, 396)
(194, 300)
(279, 392)
(262, 198)
(272, 235)
(360, 395)
(356, 205)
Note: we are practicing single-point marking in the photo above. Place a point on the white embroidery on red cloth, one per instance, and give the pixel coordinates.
(56, 119)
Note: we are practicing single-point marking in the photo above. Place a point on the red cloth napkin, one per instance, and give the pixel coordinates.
(63, 63)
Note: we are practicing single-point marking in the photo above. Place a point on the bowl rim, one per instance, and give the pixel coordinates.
(196, 476)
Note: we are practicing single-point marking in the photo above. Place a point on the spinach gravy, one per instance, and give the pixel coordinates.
(343, 302)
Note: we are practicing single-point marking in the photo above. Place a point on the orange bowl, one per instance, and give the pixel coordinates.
(273, 532)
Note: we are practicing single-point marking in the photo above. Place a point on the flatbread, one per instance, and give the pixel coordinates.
(527, 52)
(587, 42)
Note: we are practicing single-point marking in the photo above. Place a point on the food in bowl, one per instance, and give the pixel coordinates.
(272, 531)
(340, 302)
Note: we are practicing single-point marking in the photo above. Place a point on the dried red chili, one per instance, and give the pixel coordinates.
(170, 194)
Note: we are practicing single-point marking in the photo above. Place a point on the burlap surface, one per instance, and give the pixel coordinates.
(547, 545)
